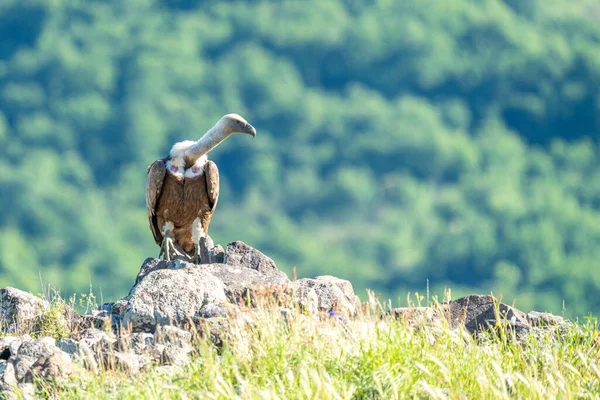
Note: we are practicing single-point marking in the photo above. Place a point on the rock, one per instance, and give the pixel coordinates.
(211, 311)
(170, 293)
(126, 362)
(15, 345)
(138, 342)
(176, 345)
(171, 296)
(143, 341)
(172, 335)
(110, 314)
(55, 366)
(22, 364)
(38, 348)
(213, 329)
(88, 357)
(8, 378)
(150, 265)
(115, 308)
(206, 245)
(418, 316)
(92, 346)
(20, 311)
(99, 319)
(241, 283)
(96, 340)
(217, 255)
(69, 346)
(93, 335)
(23, 312)
(29, 352)
(175, 355)
(326, 293)
(305, 295)
(541, 320)
(345, 286)
(239, 254)
(209, 253)
(479, 312)
(5, 343)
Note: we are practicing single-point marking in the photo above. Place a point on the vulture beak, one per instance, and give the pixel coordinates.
(250, 130)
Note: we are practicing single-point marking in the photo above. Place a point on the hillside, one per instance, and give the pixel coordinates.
(399, 143)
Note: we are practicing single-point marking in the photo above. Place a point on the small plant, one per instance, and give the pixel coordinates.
(58, 320)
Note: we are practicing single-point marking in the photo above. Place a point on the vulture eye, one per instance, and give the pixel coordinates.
(239, 122)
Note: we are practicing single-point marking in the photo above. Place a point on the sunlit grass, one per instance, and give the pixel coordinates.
(269, 355)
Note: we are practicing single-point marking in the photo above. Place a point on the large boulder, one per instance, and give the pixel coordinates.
(20, 311)
(172, 296)
(479, 312)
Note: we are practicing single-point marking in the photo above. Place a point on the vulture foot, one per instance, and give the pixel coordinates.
(166, 247)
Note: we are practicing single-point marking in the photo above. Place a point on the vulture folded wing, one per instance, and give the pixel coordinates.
(211, 173)
(156, 176)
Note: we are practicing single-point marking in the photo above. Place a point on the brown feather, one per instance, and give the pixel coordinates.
(171, 199)
(156, 175)
(212, 184)
(199, 201)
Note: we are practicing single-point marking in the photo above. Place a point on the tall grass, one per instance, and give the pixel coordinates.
(268, 354)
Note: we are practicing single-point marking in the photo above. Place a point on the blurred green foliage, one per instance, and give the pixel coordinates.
(399, 141)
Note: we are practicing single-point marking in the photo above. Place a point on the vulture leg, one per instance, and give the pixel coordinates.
(197, 233)
(166, 246)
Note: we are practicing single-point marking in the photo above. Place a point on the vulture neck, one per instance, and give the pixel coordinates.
(206, 143)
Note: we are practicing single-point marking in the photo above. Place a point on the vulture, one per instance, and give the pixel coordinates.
(182, 189)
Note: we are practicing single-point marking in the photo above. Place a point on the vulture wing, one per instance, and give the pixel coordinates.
(211, 174)
(156, 176)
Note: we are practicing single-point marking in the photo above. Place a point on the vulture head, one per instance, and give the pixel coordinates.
(234, 123)
(226, 126)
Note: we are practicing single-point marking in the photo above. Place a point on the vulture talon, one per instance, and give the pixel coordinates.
(167, 243)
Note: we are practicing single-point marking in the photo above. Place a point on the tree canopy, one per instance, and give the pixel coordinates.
(399, 143)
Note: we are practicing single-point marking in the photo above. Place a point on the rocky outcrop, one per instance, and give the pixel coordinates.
(477, 313)
(173, 302)
(180, 293)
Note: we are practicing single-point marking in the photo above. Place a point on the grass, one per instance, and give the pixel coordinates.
(269, 356)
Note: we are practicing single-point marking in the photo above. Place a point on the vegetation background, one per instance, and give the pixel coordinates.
(399, 142)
